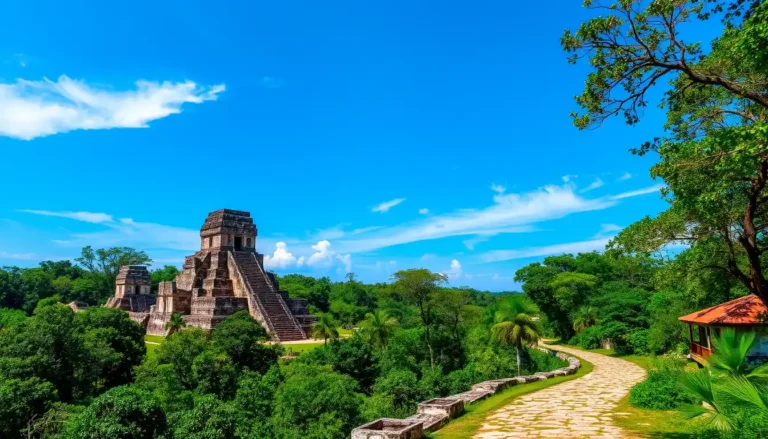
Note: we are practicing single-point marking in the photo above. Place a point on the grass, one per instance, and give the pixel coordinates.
(154, 338)
(476, 414)
(150, 350)
(300, 348)
(666, 424)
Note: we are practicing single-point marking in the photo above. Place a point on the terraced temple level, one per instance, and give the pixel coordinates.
(227, 275)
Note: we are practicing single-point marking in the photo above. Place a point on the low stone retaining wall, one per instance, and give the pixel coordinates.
(433, 414)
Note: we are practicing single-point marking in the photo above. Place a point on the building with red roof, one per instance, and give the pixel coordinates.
(745, 313)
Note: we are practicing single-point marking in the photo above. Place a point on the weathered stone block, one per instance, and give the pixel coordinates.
(452, 407)
(387, 428)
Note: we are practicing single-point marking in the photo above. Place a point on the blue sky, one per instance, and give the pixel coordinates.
(360, 136)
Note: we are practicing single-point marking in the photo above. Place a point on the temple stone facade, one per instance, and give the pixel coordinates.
(133, 292)
(227, 275)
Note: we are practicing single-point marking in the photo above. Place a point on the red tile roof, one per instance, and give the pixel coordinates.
(747, 310)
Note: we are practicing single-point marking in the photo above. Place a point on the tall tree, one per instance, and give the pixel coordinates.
(378, 327)
(519, 332)
(106, 262)
(714, 155)
(325, 328)
(418, 286)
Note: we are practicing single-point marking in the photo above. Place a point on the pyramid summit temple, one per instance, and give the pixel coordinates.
(225, 276)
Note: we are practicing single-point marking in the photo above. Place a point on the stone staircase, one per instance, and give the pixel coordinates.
(282, 321)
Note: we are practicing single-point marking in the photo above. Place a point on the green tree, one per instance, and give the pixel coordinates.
(106, 263)
(241, 337)
(584, 317)
(714, 154)
(180, 350)
(519, 332)
(125, 412)
(175, 323)
(325, 328)
(210, 418)
(166, 274)
(314, 402)
(418, 287)
(378, 327)
(22, 401)
(214, 373)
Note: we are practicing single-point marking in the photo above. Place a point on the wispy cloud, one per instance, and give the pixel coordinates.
(423, 211)
(125, 232)
(88, 217)
(19, 256)
(571, 247)
(33, 109)
(648, 190)
(596, 183)
(509, 213)
(625, 177)
(385, 206)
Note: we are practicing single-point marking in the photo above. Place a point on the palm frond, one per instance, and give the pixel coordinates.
(741, 392)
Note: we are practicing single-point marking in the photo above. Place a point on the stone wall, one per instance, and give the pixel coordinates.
(435, 413)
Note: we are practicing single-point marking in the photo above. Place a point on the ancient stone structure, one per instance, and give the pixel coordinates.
(132, 292)
(227, 275)
(433, 414)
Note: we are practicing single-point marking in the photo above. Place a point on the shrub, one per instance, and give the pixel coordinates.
(660, 391)
(539, 361)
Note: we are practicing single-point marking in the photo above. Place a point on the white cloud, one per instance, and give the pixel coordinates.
(626, 176)
(347, 261)
(126, 232)
(281, 258)
(509, 213)
(499, 189)
(608, 228)
(325, 257)
(596, 183)
(568, 178)
(648, 190)
(20, 256)
(557, 249)
(88, 217)
(423, 211)
(30, 109)
(455, 271)
(472, 242)
(385, 206)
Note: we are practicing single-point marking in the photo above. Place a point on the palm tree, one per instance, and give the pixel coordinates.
(584, 317)
(325, 328)
(378, 327)
(175, 323)
(519, 331)
(727, 382)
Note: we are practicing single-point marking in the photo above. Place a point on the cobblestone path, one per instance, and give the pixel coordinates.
(579, 408)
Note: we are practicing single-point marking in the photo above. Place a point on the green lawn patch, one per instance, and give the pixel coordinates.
(154, 338)
(299, 348)
(476, 414)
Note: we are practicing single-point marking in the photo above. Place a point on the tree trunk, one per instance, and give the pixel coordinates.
(517, 350)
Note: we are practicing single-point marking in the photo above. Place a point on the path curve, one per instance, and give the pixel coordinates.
(579, 408)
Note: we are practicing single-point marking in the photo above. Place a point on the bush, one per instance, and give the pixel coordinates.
(539, 361)
(660, 391)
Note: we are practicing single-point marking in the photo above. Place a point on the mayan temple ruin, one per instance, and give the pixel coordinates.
(227, 275)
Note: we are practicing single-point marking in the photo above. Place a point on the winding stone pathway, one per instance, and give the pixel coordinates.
(579, 408)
